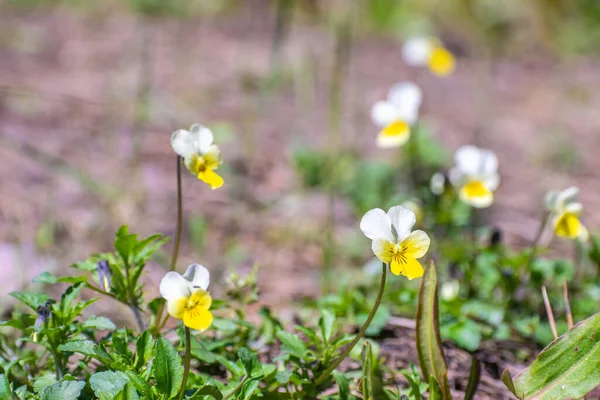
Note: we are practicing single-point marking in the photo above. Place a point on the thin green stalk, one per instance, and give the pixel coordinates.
(360, 333)
(159, 325)
(235, 389)
(57, 366)
(186, 362)
(139, 321)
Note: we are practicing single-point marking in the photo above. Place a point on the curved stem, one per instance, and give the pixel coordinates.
(186, 362)
(235, 389)
(360, 333)
(158, 324)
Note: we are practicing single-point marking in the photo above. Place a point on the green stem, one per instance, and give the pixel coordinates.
(235, 389)
(57, 366)
(186, 362)
(159, 325)
(360, 333)
(139, 321)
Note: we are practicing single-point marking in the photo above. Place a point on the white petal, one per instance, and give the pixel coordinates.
(173, 286)
(456, 177)
(468, 159)
(402, 220)
(416, 51)
(574, 208)
(567, 196)
(182, 142)
(203, 137)
(383, 113)
(405, 95)
(492, 181)
(488, 162)
(550, 200)
(376, 224)
(197, 276)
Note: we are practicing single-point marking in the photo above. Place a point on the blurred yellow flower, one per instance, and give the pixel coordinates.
(187, 298)
(565, 211)
(201, 156)
(421, 51)
(475, 176)
(394, 242)
(396, 114)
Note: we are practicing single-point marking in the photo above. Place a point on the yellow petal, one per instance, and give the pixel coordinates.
(200, 299)
(197, 319)
(407, 266)
(394, 134)
(476, 194)
(176, 307)
(415, 245)
(441, 62)
(568, 225)
(211, 178)
(383, 249)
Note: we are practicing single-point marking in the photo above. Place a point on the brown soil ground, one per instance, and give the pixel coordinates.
(75, 158)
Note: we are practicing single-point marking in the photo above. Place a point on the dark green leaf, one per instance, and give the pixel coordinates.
(250, 362)
(33, 300)
(48, 278)
(367, 372)
(210, 390)
(5, 391)
(167, 368)
(474, 377)
(343, 385)
(144, 346)
(248, 388)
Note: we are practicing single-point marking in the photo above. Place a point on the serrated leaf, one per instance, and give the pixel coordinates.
(140, 384)
(144, 346)
(292, 344)
(5, 391)
(108, 384)
(63, 390)
(167, 368)
(33, 300)
(43, 381)
(326, 323)
(85, 347)
(566, 369)
(100, 323)
(429, 343)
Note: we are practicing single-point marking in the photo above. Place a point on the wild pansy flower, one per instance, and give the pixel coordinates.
(201, 156)
(104, 275)
(44, 312)
(565, 211)
(396, 114)
(394, 242)
(475, 175)
(187, 298)
(422, 51)
(437, 184)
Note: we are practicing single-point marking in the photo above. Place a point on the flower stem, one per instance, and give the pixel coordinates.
(138, 317)
(186, 361)
(158, 324)
(57, 366)
(360, 333)
(235, 389)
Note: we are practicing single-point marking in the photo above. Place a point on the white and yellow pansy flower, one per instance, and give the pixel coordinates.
(422, 51)
(394, 242)
(397, 114)
(201, 156)
(565, 210)
(187, 298)
(475, 175)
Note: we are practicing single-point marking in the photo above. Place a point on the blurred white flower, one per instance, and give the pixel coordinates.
(475, 175)
(422, 51)
(449, 290)
(565, 210)
(437, 184)
(394, 242)
(397, 114)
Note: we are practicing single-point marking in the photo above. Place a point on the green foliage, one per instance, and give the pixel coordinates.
(167, 368)
(567, 368)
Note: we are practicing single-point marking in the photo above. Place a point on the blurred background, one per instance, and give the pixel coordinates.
(91, 90)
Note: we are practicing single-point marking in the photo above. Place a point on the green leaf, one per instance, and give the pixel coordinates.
(343, 385)
(43, 381)
(429, 343)
(100, 323)
(326, 323)
(250, 362)
(85, 347)
(108, 384)
(474, 377)
(248, 388)
(210, 390)
(566, 369)
(33, 300)
(367, 373)
(144, 346)
(5, 391)
(283, 377)
(48, 278)
(167, 368)
(140, 384)
(435, 392)
(63, 390)
(292, 344)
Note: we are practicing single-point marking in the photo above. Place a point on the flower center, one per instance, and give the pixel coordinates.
(441, 61)
(568, 225)
(476, 189)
